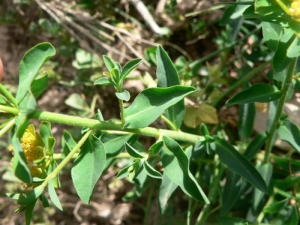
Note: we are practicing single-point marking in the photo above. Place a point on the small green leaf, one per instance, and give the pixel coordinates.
(176, 166)
(45, 132)
(115, 75)
(124, 172)
(275, 207)
(290, 133)
(231, 191)
(286, 183)
(109, 63)
(255, 145)
(88, 168)
(266, 171)
(271, 34)
(44, 200)
(133, 152)
(39, 85)
(19, 162)
(292, 216)
(103, 81)
(151, 171)
(31, 196)
(131, 65)
(166, 189)
(30, 66)
(76, 101)
(115, 145)
(67, 143)
(167, 77)
(280, 58)
(238, 163)
(125, 96)
(26, 107)
(255, 93)
(151, 103)
(134, 170)
(156, 147)
(29, 211)
(53, 196)
(293, 50)
(246, 121)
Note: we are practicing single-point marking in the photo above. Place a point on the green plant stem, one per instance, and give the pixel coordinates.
(7, 127)
(284, 90)
(171, 125)
(148, 206)
(201, 220)
(122, 111)
(241, 81)
(110, 125)
(8, 109)
(62, 164)
(8, 95)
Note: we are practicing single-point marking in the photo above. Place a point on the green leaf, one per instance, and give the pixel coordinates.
(275, 207)
(77, 102)
(293, 50)
(156, 147)
(246, 121)
(44, 200)
(26, 107)
(103, 81)
(151, 171)
(133, 152)
(231, 191)
(29, 211)
(271, 34)
(152, 102)
(53, 195)
(176, 166)
(255, 145)
(115, 75)
(290, 133)
(238, 163)
(292, 216)
(167, 77)
(131, 65)
(286, 183)
(19, 162)
(39, 85)
(117, 144)
(266, 171)
(281, 59)
(45, 132)
(31, 196)
(255, 93)
(125, 96)
(124, 172)
(166, 189)
(30, 66)
(88, 168)
(109, 63)
(67, 142)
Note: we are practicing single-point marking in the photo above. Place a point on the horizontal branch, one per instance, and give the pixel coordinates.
(111, 125)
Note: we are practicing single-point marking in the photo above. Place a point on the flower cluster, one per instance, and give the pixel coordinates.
(33, 148)
(295, 9)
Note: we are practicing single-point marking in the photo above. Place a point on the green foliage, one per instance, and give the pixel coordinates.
(211, 165)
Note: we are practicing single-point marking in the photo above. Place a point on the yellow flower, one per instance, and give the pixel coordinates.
(32, 144)
(295, 10)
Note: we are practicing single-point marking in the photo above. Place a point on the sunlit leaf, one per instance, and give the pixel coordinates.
(88, 168)
(151, 103)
